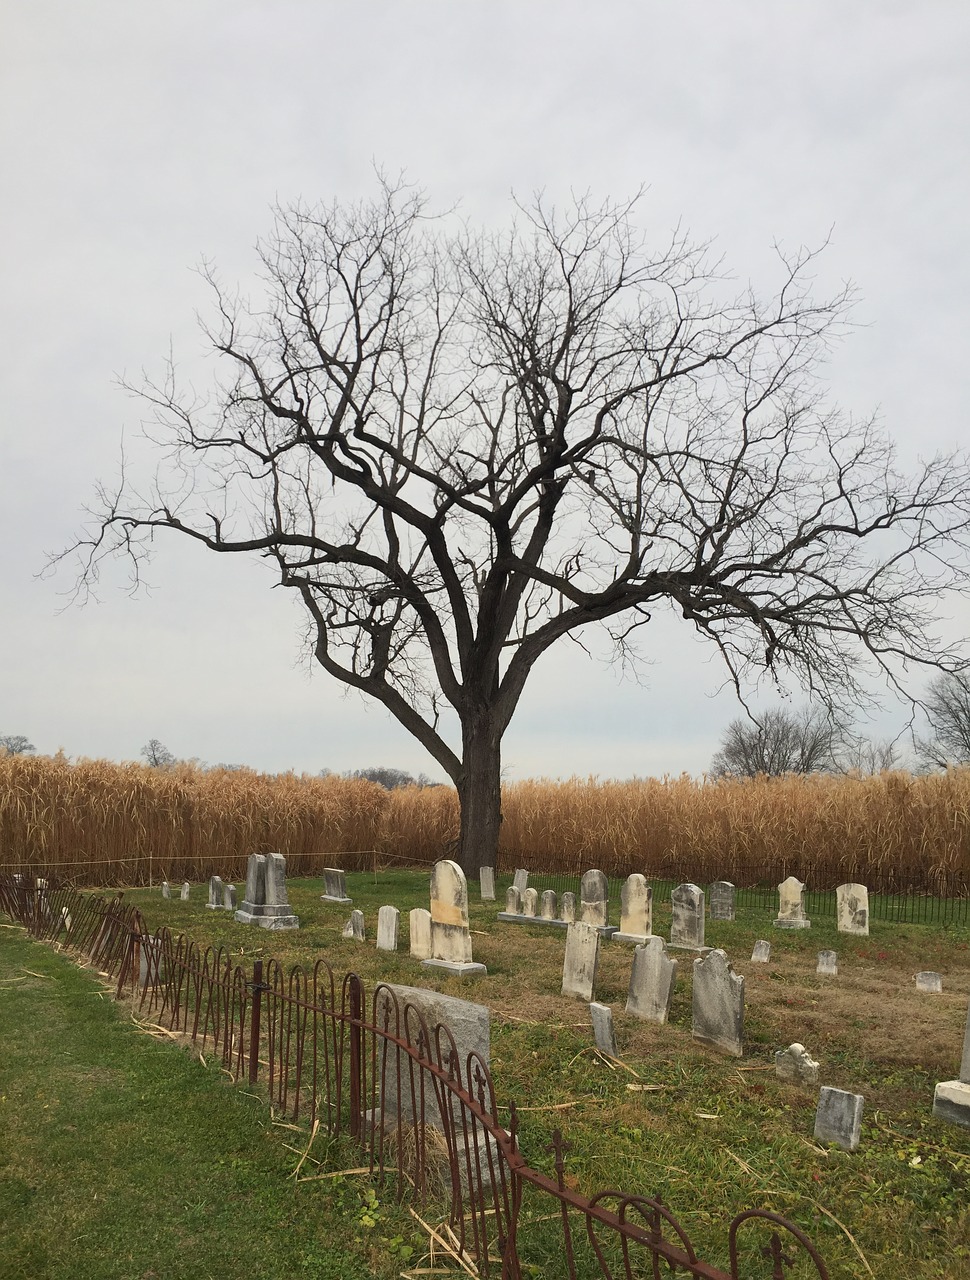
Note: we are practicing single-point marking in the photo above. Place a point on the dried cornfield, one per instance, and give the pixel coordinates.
(97, 822)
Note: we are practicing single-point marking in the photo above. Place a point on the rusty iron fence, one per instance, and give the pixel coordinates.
(371, 1069)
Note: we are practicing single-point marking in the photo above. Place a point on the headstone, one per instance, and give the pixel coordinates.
(388, 925)
(215, 893)
(828, 964)
(567, 908)
(486, 883)
(548, 904)
(603, 1031)
(594, 899)
(651, 981)
(951, 1099)
(687, 917)
(419, 923)
(930, 982)
(839, 1118)
(521, 879)
(530, 901)
(761, 952)
(266, 903)
(794, 1064)
(722, 896)
(852, 909)
(791, 912)
(718, 1004)
(335, 887)
(166, 889)
(451, 941)
(354, 928)
(636, 910)
(581, 960)
(513, 901)
(229, 897)
(184, 895)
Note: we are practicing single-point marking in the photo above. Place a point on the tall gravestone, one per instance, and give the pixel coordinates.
(651, 981)
(594, 902)
(852, 909)
(951, 1099)
(335, 887)
(721, 899)
(215, 893)
(451, 940)
(486, 883)
(419, 928)
(687, 917)
(636, 910)
(229, 897)
(581, 960)
(266, 903)
(388, 926)
(791, 909)
(718, 1004)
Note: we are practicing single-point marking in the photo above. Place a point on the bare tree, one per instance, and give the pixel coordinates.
(391, 779)
(947, 707)
(157, 755)
(459, 449)
(778, 741)
(15, 744)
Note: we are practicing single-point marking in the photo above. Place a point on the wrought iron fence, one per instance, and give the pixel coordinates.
(374, 1070)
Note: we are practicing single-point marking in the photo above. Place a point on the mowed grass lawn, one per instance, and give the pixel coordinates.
(711, 1135)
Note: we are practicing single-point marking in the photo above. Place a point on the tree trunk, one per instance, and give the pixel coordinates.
(480, 799)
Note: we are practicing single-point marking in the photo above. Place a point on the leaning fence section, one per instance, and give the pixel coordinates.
(372, 1069)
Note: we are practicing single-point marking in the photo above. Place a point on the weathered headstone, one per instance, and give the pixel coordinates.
(687, 917)
(852, 909)
(419, 922)
(184, 894)
(335, 887)
(603, 1030)
(266, 903)
(388, 925)
(594, 905)
(548, 904)
(794, 1064)
(651, 981)
(951, 1099)
(521, 879)
(567, 908)
(839, 1118)
(513, 901)
(166, 889)
(229, 897)
(761, 952)
(451, 941)
(486, 883)
(215, 893)
(530, 901)
(791, 912)
(354, 928)
(718, 1004)
(828, 964)
(581, 960)
(722, 895)
(636, 910)
(930, 982)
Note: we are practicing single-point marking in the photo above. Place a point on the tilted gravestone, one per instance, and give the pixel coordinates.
(388, 926)
(718, 1004)
(603, 1031)
(354, 928)
(581, 960)
(852, 909)
(521, 879)
(951, 1099)
(266, 903)
(530, 902)
(548, 904)
(419, 928)
(839, 1118)
(722, 895)
(791, 911)
(486, 883)
(636, 910)
(687, 917)
(215, 893)
(828, 964)
(930, 982)
(651, 981)
(451, 940)
(794, 1064)
(335, 887)
(761, 952)
(594, 903)
(567, 908)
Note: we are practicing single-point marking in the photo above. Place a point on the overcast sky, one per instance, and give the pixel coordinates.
(138, 139)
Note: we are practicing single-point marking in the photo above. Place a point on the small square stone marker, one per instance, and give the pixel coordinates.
(762, 952)
(930, 982)
(839, 1118)
(828, 963)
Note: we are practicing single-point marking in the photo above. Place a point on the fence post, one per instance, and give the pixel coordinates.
(356, 1011)
(254, 1019)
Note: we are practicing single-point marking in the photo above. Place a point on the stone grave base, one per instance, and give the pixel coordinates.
(792, 924)
(639, 939)
(268, 922)
(463, 968)
(688, 946)
(951, 1101)
(340, 902)
(508, 918)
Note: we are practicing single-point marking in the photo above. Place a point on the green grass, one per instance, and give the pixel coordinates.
(711, 1135)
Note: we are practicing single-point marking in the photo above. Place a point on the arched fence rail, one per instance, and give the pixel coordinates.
(374, 1072)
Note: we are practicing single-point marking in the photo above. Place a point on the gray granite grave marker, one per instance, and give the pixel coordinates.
(722, 897)
(388, 926)
(335, 887)
(718, 1004)
(687, 917)
(652, 981)
(839, 1118)
(266, 903)
(581, 960)
(215, 893)
(852, 909)
(636, 910)
(761, 953)
(603, 1030)
(794, 1064)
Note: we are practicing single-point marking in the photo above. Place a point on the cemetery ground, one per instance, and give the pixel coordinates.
(710, 1135)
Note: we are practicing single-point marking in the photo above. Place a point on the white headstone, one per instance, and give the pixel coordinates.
(951, 1100)
(215, 893)
(795, 1065)
(791, 912)
(839, 1118)
(388, 924)
(419, 923)
(852, 909)
(636, 910)
(166, 889)
(828, 964)
(530, 902)
(548, 904)
(687, 917)
(521, 879)
(603, 1030)
(451, 942)
(354, 928)
(229, 897)
(651, 981)
(761, 952)
(513, 901)
(718, 1004)
(594, 899)
(930, 982)
(486, 883)
(721, 900)
(567, 907)
(581, 960)
(184, 895)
